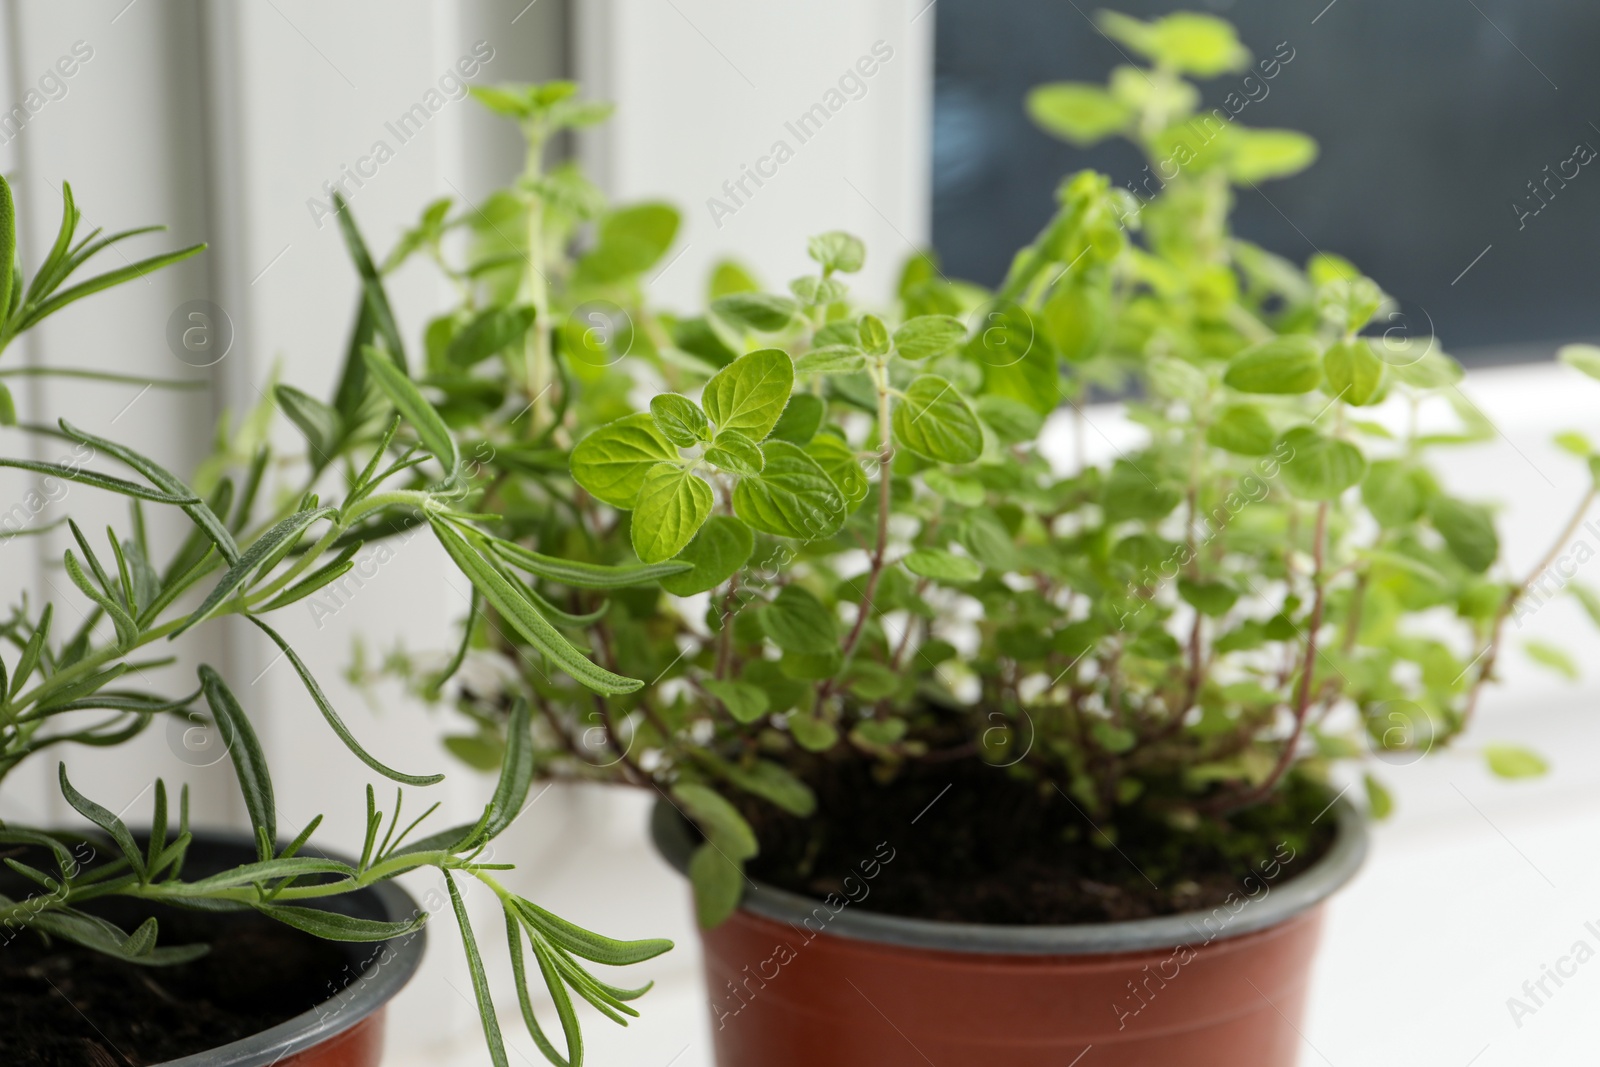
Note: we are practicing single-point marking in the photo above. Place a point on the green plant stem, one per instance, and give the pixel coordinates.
(96, 660)
(1302, 704)
(538, 368)
(1192, 543)
(93, 662)
(1512, 598)
(416, 498)
(1254, 330)
(880, 549)
(103, 376)
(378, 872)
(911, 628)
(724, 660)
(175, 892)
(505, 895)
(1154, 119)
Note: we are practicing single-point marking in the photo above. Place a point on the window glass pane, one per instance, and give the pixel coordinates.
(1444, 137)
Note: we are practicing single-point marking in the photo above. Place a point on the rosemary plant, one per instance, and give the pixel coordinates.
(245, 557)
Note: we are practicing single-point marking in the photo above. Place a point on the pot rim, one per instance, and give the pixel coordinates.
(389, 968)
(673, 839)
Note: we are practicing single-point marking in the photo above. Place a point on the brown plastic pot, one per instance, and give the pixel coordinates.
(797, 982)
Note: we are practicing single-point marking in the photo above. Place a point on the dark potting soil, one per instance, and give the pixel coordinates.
(968, 842)
(66, 1006)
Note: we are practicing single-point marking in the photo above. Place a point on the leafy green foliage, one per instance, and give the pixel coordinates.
(942, 566)
(523, 613)
(749, 394)
(1513, 761)
(1243, 429)
(1079, 113)
(837, 251)
(797, 621)
(613, 461)
(1468, 531)
(717, 552)
(1319, 467)
(673, 504)
(791, 497)
(1202, 45)
(1283, 365)
(1585, 358)
(929, 335)
(1354, 372)
(680, 420)
(415, 409)
(935, 421)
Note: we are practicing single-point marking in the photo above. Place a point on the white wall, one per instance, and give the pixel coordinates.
(708, 88)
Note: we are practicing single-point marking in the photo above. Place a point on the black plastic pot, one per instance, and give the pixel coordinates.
(346, 1028)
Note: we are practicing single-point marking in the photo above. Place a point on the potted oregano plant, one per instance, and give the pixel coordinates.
(979, 741)
(164, 943)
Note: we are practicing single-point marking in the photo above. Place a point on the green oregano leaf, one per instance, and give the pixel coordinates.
(719, 820)
(680, 420)
(749, 394)
(791, 497)
(493, 330)
(1318, 467)
(1468, 531)
(1514, 761)
(797, 621)
(1585, 358)
(718, 883)
(673, 504)
(1077, 112)
(935, 421)
(736, 453)
(837, 251)
(1354, 372)
(1243, 429)
(929, 335)
(874, 335)
(612, 462)
(1288, 364)
(762, 312)
(745, 702)
(942, 566)
(801, 419)
(838, 460)
(1395, 492)
(831, 359)
(720, 548)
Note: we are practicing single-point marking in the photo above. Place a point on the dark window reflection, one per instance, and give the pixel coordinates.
(1434, 117)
